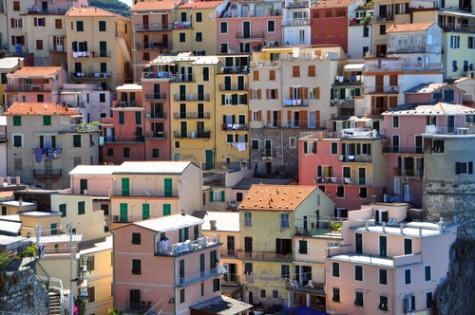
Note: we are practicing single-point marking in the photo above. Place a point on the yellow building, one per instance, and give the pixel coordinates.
(193, 27)
(268, 253)
(100, 44)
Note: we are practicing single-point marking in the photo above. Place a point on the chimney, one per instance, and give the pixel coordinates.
(401, 226)
(20, 201)
(212, 224)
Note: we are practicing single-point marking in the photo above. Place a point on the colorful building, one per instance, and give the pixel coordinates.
(296, 17)
(7, 65)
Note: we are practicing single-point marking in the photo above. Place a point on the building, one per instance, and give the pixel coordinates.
(360, 31)
(3, 147)
(7, 65)
(388, 263)
(267, 254)
(52, 145)
(15, 41)
(100, 44)
(296, 23)
(459, 48)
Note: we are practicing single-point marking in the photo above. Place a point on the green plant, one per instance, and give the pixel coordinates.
(30, 251)
(335, 226)
(113, 311)
(5, 258)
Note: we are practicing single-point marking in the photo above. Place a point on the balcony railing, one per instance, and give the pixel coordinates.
(151, 45)
(356, 158)
(349, 181)
(200, 276)
(295, 102)
(309, 287)
(256, 35)
(28, 88)
(91, 75)
(235, 127)
(163, 248)
(91, 127)
(295, 22)
(110, 139)
(191, 97)
(59, 11)
(156, 135)
(259, 255)
(156, 75)
(405, 150)
(382, 89)
(192, 135)
(156, 116)
(407, 172)
(192, 115)
(233, 87)
(229, 252)
(330, 228)
(153, 27)
(51, 153)
(182, 25)
(3, 137)
(128, 104)
(431, 129)
(156, 96)
(297, 4)
(390, 261)
(101, 54)
(47, 173)
(190, 77)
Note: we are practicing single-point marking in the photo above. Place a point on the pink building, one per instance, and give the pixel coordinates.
(248, 26)
(404, 152)
(387, 265)
(347, 165)
(166, 264)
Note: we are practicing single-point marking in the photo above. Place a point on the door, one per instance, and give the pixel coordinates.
(232, 271)
(359, 243)
(395, 146)
(182, 271)
(168, 187)
(418, 144)
(241, 83)
(182, 110)
(145, 22)
(124, 216)
(156, 91)
(383, 246)
(209, 159)
(125, 187)
(135, 298)
(54, 229)
(450, 124)
(248, 246)
(164, 21)
(201, 92)
(183, 129)
(145, 211)
(362, 176)
(202, 264)
(305, 223)
(201, 111)
(182, 92)
(145, 41)
(246, 29)
(268, 147)
(227, 83)
(83, 185)
(230, 243)
(103, 48)
(379, 83)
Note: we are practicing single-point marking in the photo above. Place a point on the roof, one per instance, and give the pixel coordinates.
(38, 214)
(201, 5)
(425, 88)
(246, 183)
(91, 12)
(129, 87)
(60, 238)
(155, 5)
(97, 245)
(410, 27)
(275, 197)
(36, 108)
(16, 203)
(36, 72)
(159, 167)
(222, 305)
(225, 221)
(332, 4)
(439, 109)
(169, 223)
(9, 227)
(94, 169)
(10, 62)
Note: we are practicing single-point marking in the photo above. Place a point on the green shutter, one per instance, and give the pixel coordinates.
(145, 211)
(357, 92)
(222, 196)
(168, 187)
(53, 229)
(124, 217)
(342, 94)
(331, 94)
(167, 209)
(42, 142)
(125, 187)
(211, 195)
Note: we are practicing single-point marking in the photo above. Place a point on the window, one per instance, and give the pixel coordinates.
(79, 26)
(292, 142)
(448, 95)
(17, 141)
(382, 29)
(359, 298)
(247, 219)
(455, 68)
(205, 74)
(223, 27)
(396, 122)
(58, 23)
(16, 120)
(409, 303)
(77, 141)
(182, 296)
(363, 193)
(383, 303)
(182, 37)
(255, 75)
(102, 98)
(248, 270)
(284, 220)
(407, 276)
(340, 191)
(110, 152)
(427, 273)
(302, 247)
(334, 148)
(136, 266)
(311, 71)
(62, 209)
(199, 37)
(216, 285)
(199, 17)
(102, 26)
(47, 120)
(81, 207)
(462, 168)
(16, 5)
(136, 238)
(39, 44)
(471, 42)
(91, 294)
(454, 41)
(438, 146)
(309, 147)
(383, 276)
(429, 301)
(126, 152)
(155, 153)
(336, 295)
(295, 71)
(41, 22)
(359, 273)
(365, 31)
(271, 75)
(285, 271)
(336, 269)
(216, 195)
(270, 26)
(254, 144)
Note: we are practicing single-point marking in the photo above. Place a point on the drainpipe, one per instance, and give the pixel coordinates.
(175, 287)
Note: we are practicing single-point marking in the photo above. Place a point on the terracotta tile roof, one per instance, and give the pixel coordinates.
(90, 11)
(36, 71)
(155, 5)
(201, 5)
(332, 4)
(410, 27)
(275, 197)
(35, 108)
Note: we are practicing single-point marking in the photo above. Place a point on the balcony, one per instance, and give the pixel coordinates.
(101, 54)
(356, 158)
(346, 181)
(245, 35)
(458, 131)
(156, 96)
(193, 115)
(80, 54)
(330, 228)
(151, 45)
(110, 139)
(156, 116)
(403, 150)
(124, 104)
(235, 127)
(50, 153)
(82, 289)
(28, 88)
(295, 102)
(56, 11)
(295, 22)
(200, 276)
(407, 172)
(338, 252)
(233, 87)
(259, 255)
(47, 173)
(91, 75)
(159, 135)
(381, 89)
(162, 248)
(188, 77)
(3, 137)
(153, 27)
(191, 97)
(229, 253)
(156, 75)
(77, 128)
(192, 135)
(309, 287)
(182, 25)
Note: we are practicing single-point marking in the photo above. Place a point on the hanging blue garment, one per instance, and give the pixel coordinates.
(39, 154)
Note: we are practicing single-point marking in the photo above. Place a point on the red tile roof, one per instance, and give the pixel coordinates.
(326, 4)
(35, 108)
(201, 5)
(91, 12)
(36, 71)
(155, 5)
(275, 197)
(410, 27)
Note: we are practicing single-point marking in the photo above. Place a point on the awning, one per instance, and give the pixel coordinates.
(457, 13)
(354, 67)
(221, 305)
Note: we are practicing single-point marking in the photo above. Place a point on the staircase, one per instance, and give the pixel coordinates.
(54, 303)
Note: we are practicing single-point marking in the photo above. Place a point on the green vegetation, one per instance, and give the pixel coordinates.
(336, 226)
(114, 6)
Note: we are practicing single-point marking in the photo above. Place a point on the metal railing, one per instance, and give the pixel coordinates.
(347, 181)
(163, 248)
(29, 87)
(156, 75)
(233, 87)
(156, 135)
(48, 173)
(200, 276)
(382, 89)
(151, 45)
(235, 127)
(261, 255)
(155, 96)
(101, 54)
(128, 104)
(153, 27)
(191, 97)
(405, 150)
(192, 115)
(192, 134)
(295, 22)
(295, 102)
(151, 116)
(255, 35)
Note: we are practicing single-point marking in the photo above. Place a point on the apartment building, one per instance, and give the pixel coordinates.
(100, 44)
(267, 254)
(347, 90)
(387, 264)
(7, 65)
(52, 145)
(289, 95)
(244, 27)
(13, 39)
(296, 22)
(360, 31)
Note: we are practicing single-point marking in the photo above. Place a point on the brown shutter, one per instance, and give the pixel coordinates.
(301, 92)
(303, 118)
(291, 93)
(289, 116)
(12, 22)
(276, 93)
(267, 94)
(259, 94)
(305, 93)
(317, 118)
(35, 21)
(268, 117)
(278, 119)
(317, 93)
(259, 115)
(251, 91)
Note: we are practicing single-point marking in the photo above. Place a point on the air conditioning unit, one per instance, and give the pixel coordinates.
(115, 218)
